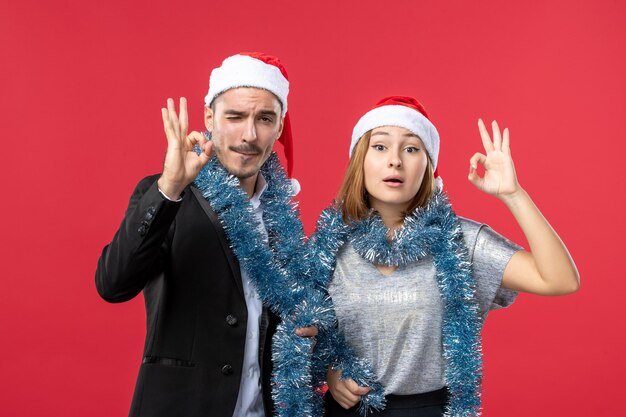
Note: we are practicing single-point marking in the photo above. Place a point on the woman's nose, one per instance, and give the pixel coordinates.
(394, 161)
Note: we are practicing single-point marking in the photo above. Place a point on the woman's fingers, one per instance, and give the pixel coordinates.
(355, 388)
(349, 393)
(497, 138)
(346, 398)
(345, 391)
(505, 141)
(484, 136)
(477, 158)
(473, 176)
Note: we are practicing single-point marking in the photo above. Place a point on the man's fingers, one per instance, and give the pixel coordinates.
(171, 109)
(207, 148)
(184, 119)
(307, 331)
(166, 119)
(167, 125)
(484, 136)
(197, 138)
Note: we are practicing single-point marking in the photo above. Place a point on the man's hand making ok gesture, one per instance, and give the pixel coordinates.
(182, 164)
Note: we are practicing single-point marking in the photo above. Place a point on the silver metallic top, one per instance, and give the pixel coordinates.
(395, 321)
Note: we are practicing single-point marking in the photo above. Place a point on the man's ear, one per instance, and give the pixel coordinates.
(282, 125)
(208, 118)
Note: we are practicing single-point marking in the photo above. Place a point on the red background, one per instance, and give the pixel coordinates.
(81, 87)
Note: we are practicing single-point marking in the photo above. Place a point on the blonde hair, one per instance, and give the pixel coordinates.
(353, 198)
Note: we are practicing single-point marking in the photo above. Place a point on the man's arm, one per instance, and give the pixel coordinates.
(136, 253)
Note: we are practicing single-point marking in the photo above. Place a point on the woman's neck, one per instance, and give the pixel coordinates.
(392, 215)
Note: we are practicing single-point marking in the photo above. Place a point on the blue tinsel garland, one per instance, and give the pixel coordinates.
(291, 278)
(434, 229)
(278, 269)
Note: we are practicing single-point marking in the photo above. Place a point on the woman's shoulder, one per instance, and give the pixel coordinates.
(470, 229)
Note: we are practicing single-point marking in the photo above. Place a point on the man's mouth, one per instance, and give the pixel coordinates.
(246, 150)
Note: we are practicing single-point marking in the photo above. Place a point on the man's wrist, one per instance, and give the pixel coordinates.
(169, 192)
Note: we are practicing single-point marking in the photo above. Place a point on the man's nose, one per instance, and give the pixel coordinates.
(249, 132)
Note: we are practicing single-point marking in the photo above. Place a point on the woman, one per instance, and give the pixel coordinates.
(412, 283)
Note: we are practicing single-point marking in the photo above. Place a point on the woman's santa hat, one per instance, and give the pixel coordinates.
(406, 112)
(258, 70)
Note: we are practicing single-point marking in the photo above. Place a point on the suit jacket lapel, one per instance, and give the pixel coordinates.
(232, 260)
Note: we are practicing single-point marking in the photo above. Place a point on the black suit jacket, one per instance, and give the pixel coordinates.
(178, 255)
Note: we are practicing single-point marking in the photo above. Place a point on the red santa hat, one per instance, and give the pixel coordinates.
(406, 112)
(258, 70)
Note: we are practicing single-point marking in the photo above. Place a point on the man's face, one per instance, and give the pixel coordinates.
(244, 124)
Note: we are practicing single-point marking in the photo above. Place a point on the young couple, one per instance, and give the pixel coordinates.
(216, 246)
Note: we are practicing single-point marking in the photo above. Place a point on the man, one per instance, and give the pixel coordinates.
(207, 349)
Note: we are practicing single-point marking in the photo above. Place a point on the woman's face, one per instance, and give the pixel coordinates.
(394, 167)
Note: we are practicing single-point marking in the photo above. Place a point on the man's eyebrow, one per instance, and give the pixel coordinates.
(267, 113)
(234, 112)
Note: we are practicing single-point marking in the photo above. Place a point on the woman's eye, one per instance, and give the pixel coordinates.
(378, 147)
(412, 149)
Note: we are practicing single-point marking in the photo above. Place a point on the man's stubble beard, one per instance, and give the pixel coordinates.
(242, 175)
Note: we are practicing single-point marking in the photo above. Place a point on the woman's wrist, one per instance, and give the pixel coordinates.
(515, 199)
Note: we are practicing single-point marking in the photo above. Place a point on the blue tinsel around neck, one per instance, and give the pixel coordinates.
(435, 230)
(279, 271)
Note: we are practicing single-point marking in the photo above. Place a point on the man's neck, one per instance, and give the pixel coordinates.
(249, 184)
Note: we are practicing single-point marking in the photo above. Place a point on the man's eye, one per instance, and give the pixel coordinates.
(267, 119)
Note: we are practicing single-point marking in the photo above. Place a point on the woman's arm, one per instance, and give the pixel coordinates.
(548, 269)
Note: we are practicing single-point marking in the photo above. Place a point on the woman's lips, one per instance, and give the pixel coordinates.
(393, 182)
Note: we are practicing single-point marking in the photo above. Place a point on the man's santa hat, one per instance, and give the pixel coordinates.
(406, 112)
(258, 70)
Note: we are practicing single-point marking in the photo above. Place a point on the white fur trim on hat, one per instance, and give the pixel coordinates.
(401, 116)
(244, 71)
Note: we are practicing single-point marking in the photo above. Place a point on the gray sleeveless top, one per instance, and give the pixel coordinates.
(395, 321)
